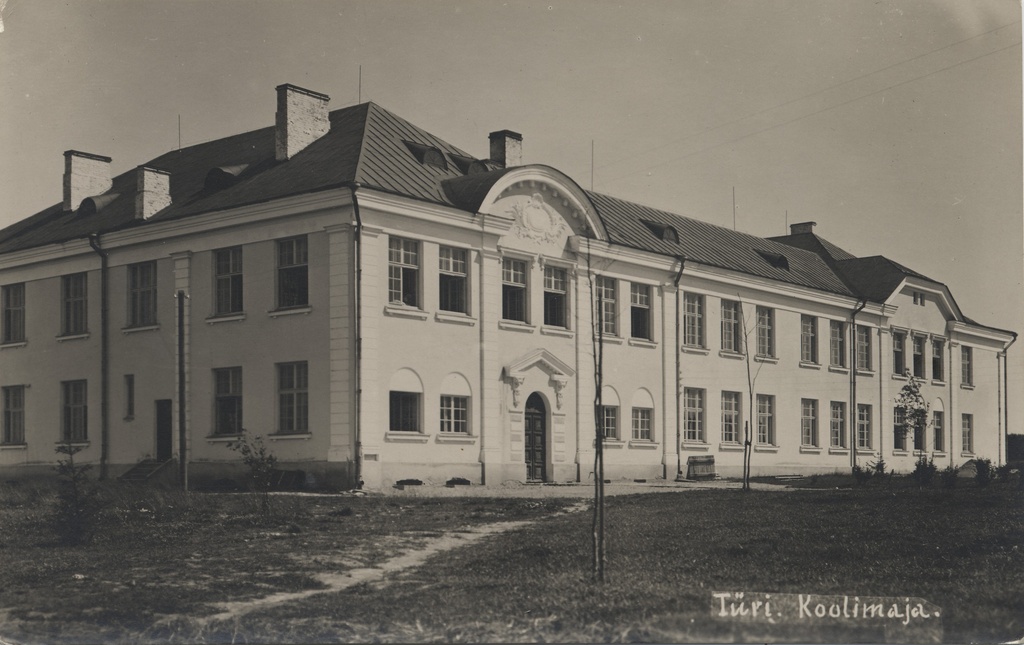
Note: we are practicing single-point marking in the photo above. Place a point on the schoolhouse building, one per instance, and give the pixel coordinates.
(379, 305)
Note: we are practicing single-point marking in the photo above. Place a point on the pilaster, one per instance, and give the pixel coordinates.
(494, 419)
(182, 267)
(342, 342)
(372, 407)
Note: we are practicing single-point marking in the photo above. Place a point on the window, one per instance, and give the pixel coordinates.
(640, 311)
(693, 320)
(863, 426)
(74, 307)
(14, 414)
(293, 398)
(765, 331)
(919, 298)
(610, 421)
(129, 396)
(919, 356)
(452, 280)
(607, 305)
(766, 419)
(455, 414)
(14, 313)
(732, 332)
(899, 435)
(967, 428)
(937, 424)
(899, 359)
(75, 420)
(405, 412)
(142, 294)
(731, 417)
(918, 438)
(556, 285)
(693, 415)
(403, 272)
(938, 373)
(808, 422)
(863, 347)
(838, 425)
(292, 272)
(513, 290)
(837, 343)
(227, 403)
(227, 268)
(966, 365)
(808, 339)
(642, 423)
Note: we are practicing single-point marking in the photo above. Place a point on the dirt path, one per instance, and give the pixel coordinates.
(381, 574)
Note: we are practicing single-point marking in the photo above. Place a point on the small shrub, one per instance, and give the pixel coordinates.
(878, 466)
(1005, 473)
(949, 476)
(862, 475)
(924, 472)
(261, 463)
(77, 506)
(984, 473)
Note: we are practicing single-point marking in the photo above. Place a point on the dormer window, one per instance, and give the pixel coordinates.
(777, 260)
(223, 176)
(664, 232)
(427, 155)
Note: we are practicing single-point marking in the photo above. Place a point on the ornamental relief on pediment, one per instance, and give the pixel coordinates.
(537, 224)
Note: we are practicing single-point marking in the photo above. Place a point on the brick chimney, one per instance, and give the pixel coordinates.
(802, 227)
(153, 191)
(301, 119)
(85, 175)
(507, 148)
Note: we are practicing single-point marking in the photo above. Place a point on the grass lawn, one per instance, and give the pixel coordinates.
(151, 573)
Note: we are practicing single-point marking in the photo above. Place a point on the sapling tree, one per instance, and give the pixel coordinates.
(913, 409)
(261, 463)
(752, 375)
(77, 506)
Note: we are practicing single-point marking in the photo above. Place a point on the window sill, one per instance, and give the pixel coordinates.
(811, 450)
(73, 444)
(766, 359)
(863, 372)
(454, 317)
(67, 337)
(140, 328)
(838, 451)
(129, 417)
(515, 325)
(730, 447)
(866, 452)
(613, 340)
(642, 342)
(290, 311)
(899, 453)
(401, 311)
(223, 318)
(966, 386)
(810, 365)
(839, 369)
(696, 445)
(557, 331)
(14, 446)
(643, 444)
(765, 448)
(725, 353)
(12, 345)
(968, 455)
(899, 377)
(693, 349)
(454, 437)
(285, 436)
(939, 383)
(939, 454)
(406, 437)
(223, 438)
(613, 443)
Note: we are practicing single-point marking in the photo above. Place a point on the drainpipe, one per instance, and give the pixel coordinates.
(94, 242)
(679, 447)
(357, 242)
(952, 408)
(853, 380)
(1006, 404)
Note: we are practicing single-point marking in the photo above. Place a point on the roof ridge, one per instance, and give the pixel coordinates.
(362, 141)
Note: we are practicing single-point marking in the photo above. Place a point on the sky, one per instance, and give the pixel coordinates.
(896, 126)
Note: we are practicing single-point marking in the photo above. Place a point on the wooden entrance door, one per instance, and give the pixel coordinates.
(536, 439)
(164, 430)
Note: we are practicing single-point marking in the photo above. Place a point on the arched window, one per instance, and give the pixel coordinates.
(454, 408)
(405, 394)
(642, 412)
(610, 425)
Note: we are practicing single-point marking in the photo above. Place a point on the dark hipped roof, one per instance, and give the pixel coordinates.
(876, 277)
(812, 242)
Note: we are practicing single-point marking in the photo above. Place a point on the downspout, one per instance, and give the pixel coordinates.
(357, 242)
(94, 242)
(679, 447)
(1006, 404)
(853, 381)
(952, 409)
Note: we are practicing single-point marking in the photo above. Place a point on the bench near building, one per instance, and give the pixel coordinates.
(380, 305)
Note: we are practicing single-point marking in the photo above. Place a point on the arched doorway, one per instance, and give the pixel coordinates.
(536, 439)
